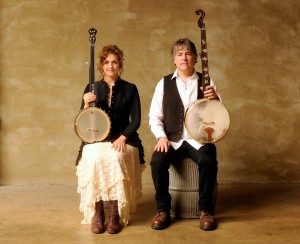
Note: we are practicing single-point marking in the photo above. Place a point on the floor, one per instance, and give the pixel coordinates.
(245, 213)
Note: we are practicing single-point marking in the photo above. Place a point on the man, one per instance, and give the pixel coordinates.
(173, 95)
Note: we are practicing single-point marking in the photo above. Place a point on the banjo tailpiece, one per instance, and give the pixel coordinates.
(92, 124)
(207, 121)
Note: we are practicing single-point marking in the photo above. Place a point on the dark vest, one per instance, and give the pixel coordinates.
(173, 109)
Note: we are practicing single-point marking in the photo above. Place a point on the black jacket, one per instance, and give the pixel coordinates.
(124, 112)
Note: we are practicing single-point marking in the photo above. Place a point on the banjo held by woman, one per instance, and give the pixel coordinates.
(92, 124)
(207, 121)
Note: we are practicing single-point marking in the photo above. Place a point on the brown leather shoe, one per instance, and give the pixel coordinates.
(114, 225)
(161, 221)
(99, 219)
(207, 221)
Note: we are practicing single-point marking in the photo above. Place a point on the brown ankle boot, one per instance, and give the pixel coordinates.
(99, 219)
(114, 226)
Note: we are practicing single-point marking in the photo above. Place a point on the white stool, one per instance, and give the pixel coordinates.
(184, 189)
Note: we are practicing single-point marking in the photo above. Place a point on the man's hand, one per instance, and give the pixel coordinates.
(162, 145)
(210, 93)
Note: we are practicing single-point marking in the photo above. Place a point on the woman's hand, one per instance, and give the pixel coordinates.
(88, 98)
(162, 145)
(210, 93)
(119, 144)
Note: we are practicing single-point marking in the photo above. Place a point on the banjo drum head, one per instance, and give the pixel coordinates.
(207, 121)
(92, 125)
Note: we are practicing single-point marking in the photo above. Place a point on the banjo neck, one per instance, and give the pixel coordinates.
(92, 39)
(203, 54)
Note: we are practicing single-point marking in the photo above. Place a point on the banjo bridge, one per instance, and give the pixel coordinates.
(208, 123)
(92, 129)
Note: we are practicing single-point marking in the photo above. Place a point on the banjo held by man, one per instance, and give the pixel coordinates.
(207, 121)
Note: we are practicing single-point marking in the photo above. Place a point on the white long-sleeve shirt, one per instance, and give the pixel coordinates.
(188, 94)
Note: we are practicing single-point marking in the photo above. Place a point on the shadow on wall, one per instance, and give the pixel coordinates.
(267, 147)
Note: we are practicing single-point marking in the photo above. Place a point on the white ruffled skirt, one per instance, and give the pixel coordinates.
(104, 174)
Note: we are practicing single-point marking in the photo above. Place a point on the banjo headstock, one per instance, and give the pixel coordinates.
(203, 54)
(92, 39)
(92, 33)
(201, 18)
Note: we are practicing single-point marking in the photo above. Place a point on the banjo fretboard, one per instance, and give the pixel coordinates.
(203, 54)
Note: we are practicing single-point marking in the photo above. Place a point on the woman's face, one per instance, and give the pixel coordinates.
(111, 66)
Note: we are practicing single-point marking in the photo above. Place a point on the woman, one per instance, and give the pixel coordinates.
(111, 170)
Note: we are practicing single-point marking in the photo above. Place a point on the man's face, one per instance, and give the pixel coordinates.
(184, 60)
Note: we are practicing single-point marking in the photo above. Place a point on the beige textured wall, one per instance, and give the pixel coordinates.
(254, 58)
